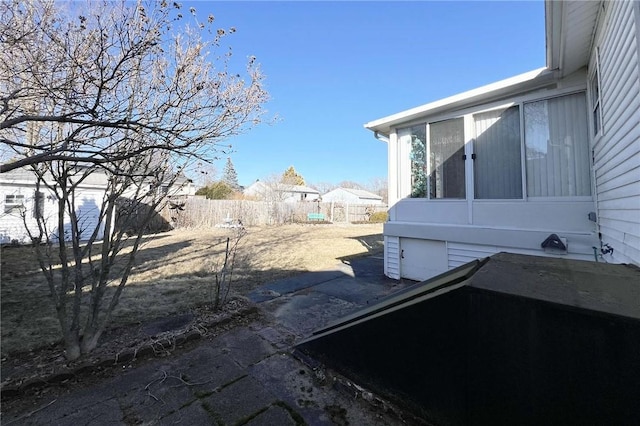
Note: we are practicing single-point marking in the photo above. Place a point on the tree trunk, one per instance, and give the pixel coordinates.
(90, 341)
(71, 346)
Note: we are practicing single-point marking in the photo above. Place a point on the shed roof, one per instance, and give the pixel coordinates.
(26, 176)
(360, 193)
(261, 186)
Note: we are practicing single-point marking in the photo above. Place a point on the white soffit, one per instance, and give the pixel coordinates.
(570, 29)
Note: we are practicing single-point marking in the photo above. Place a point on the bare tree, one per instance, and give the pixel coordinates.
(349, 184)
(123, 91)
(323, 187)
(206, 174)
(378, 185)
(223, 273)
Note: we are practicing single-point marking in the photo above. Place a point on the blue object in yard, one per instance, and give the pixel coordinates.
(315, 216)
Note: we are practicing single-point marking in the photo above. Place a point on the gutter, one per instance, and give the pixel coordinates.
(381, 137)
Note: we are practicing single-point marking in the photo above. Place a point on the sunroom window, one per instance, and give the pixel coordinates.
(556, 153)
(446, 159)
(418, 159)
(497, 154)
(557, 148)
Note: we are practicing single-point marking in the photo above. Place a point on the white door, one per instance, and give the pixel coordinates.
(422, 259)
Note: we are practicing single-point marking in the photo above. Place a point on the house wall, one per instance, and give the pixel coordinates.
(616, 149)
(264, 192)
(444, 233)
(12, 225)
(340, 195)
(294, 197)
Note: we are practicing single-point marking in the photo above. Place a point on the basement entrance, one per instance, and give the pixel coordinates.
(511, 339)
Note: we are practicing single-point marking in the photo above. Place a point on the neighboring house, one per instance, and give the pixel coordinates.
(19, 198)
(182, 187)
(351, 196)
(505, 166)
(280, 192)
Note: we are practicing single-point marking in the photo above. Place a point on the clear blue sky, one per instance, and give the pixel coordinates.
(333, 66)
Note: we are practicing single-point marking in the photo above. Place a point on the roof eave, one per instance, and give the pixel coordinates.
(553, 24)
(527, 81)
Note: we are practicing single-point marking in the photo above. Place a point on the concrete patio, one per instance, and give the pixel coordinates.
(247, 376)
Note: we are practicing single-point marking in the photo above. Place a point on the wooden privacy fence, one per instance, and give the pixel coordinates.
(197, 212)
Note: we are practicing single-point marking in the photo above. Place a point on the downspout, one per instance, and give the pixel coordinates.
(385, 139)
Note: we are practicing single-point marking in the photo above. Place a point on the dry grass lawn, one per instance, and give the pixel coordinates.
(174, 273)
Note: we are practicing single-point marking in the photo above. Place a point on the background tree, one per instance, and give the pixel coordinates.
(230, 176)
(205, 174)
(291, 177)
(350, 184)
(121, 89)
(323, 187)
(217, 191)
(379, 186)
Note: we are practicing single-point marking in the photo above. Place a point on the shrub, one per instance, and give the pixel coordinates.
(216, 191)
(379, 217)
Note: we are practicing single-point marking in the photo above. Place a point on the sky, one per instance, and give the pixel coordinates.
(331, 67)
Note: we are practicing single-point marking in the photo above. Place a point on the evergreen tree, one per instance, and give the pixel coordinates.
(230, 177)
(291, 177)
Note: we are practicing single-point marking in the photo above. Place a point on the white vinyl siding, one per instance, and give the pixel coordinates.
(392, 257)
(12, 225)
(459, 254)
(617, 148)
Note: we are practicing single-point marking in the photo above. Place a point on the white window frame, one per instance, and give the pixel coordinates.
(469, 140)
(13, 202)
(472, 144)
(529, 197)
(595, 102)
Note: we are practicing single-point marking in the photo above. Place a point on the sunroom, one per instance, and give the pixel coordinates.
(501, 168)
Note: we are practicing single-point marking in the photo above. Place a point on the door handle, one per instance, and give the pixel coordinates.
(402, 254)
